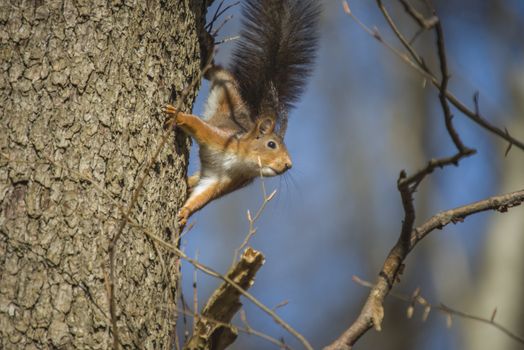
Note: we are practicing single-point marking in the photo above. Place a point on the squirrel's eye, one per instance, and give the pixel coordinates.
(272, 144)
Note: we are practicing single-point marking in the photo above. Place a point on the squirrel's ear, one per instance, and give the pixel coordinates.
(265, 126)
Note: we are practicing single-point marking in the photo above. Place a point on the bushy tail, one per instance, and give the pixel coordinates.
(275, 53)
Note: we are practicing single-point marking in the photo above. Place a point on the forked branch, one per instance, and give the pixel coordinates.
(372, 312)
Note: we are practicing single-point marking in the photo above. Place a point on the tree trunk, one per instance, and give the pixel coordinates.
(82, 83)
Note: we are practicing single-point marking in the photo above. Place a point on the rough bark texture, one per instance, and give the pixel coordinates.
(81, 86)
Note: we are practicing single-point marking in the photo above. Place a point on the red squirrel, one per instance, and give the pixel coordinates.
(241, 134)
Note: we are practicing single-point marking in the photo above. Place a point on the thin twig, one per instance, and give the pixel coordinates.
(195, 293)
(480, 120)
(375, 33)
(443, 88)
(219, 12)
(281, 304)
(209, 25)
(221, 25)
(489, 321)
(184, 318)
(415, 179)
(228, 39)
(403, 40)
(501, 203)
(185, 231)
(251, 220)
(424, 23)
(412, 182)
(417, 298)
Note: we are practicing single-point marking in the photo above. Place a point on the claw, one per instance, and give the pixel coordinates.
(182, 217)
(171, 120)
(170, 110)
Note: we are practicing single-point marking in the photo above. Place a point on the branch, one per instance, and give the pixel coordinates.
(473, 115)
(490, 321)
(218, 13)
(246, 330)
(372, 312)
(416, 298)
(501, 203)
(419, 61)
(448, 117)
(418, 17)
(223, 304)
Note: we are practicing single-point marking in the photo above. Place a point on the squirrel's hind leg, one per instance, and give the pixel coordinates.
(204, 192)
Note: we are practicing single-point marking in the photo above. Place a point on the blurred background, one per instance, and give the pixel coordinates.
(366, 116)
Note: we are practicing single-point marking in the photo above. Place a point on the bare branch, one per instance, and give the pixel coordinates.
(490, 321)
(469, 113)
(195, 294)
(499, 203)
(223, 304)
(414, 55)
(392, 267)
(218, 13)
(418, 17)
(246, 330)
(443, 88)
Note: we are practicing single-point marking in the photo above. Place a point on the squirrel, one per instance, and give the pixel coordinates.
(241, 133)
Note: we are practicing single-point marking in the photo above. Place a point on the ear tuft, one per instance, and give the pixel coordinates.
(266, 126)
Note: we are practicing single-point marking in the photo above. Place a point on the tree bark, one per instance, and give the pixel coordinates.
(82, 83)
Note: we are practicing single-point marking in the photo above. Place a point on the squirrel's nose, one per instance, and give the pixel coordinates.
(288, 165)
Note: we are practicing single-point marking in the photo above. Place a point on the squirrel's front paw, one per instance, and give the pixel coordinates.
(182, 216)
(170, 109)
(172, 114)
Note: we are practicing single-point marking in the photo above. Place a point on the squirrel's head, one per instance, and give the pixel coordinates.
(266, 149)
